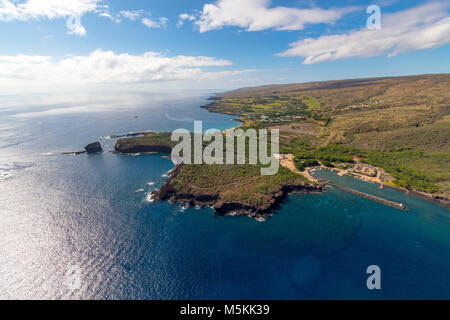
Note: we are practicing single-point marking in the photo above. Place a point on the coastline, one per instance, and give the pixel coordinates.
(435, 198)
(228, 207)
(241, 208)
(220, 201)
(442, 200)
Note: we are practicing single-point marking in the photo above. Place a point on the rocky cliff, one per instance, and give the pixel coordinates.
(170, 192)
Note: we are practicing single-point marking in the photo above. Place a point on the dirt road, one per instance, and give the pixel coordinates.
(287, 160)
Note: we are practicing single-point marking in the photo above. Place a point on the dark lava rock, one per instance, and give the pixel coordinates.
(93, 147)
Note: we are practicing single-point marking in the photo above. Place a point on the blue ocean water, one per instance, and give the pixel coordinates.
(91, 213)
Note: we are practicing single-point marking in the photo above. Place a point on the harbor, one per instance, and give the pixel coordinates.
(396, 205)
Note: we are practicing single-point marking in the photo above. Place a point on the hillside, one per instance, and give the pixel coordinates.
(402, 123)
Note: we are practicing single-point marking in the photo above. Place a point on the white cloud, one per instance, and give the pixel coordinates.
(72, 10)
(51, 9)
(150, 23)
(163, 21)
(132, 14)
(106, 67)
(246, 80)
(26, 10)
(160, 23)
(106, 15)
(257, 15)
(423, 27)
(110, 16)
(185, 17)
(144, 17)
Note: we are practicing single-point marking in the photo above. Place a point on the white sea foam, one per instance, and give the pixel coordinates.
(149, 197)
(140, 190)
(183, 207)
(151, 183)
(4, 175)
(260, 219)
(167, 174)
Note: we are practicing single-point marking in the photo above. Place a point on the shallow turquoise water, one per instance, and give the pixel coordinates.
(91, 212)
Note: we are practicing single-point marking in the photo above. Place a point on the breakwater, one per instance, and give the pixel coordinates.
(396, 205)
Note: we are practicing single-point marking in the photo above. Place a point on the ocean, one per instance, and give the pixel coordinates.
(84, 226)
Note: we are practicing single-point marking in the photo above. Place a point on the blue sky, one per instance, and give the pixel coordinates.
(50, 45)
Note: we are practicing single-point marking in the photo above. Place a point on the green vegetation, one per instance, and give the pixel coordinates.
(273, 109)
(147, 142)
(307, 157)
(302, 164)
(328, 164)
(237, 183)
(429, 138)
(400, 124)
(310, 102)
(336, 153)
(411, 169)
(243, 184)
(414, 169)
